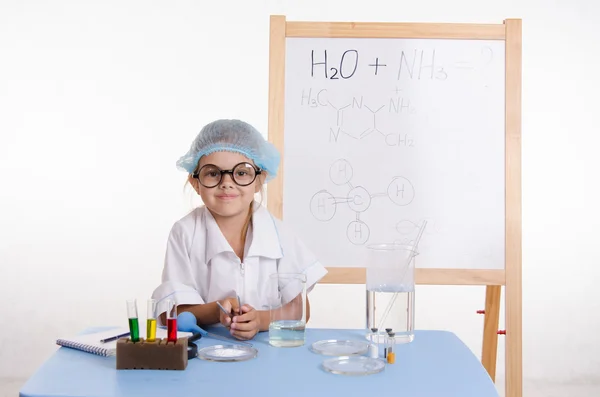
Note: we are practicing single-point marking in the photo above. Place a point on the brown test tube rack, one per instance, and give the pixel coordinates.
(158, 354)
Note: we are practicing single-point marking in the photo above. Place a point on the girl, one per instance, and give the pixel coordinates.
(229, 246)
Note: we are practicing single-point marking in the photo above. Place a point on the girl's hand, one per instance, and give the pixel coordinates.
(231, 305)
(247, 325)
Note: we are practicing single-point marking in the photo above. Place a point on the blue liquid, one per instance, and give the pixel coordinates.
(287, 333)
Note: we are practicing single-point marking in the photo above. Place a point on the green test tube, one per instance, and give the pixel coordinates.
(134, 325)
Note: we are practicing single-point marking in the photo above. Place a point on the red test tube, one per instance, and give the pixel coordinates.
(171, 321)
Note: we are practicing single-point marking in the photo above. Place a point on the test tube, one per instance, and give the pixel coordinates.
(134, 326)
(151, 321)
(385, 342)
(391, 354)
(171, 321)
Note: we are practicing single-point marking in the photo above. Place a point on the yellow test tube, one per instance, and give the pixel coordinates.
(151, 321)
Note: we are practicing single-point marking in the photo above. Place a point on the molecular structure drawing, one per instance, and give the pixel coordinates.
(323, 204)
(390, 139)
(408, 230)
(369, 118)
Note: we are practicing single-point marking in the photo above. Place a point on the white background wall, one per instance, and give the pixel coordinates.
(98, 100)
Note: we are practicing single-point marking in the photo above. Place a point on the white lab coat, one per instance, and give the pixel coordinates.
(200, 265)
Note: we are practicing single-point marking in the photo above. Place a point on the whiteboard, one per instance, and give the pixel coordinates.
(382, 134)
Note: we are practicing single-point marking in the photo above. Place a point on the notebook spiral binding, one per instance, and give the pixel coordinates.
(101, 351)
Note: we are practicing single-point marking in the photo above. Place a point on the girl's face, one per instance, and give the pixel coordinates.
(227, 198)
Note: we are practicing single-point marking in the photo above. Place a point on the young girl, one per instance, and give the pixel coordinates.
(229, 246)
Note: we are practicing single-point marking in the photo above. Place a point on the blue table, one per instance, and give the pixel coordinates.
(436, 363)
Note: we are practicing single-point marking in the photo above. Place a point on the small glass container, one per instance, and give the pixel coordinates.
(390, 348)
(287, 314)
(373, 350)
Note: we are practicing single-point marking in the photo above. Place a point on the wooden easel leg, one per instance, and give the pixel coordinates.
(490, 329)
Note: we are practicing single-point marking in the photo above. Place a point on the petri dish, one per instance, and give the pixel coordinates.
(353, 365)
(227, 353)
(334, 347)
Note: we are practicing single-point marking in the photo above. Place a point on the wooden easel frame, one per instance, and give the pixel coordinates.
(510, 277)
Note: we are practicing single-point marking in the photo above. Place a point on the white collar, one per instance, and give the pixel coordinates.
(265, 244)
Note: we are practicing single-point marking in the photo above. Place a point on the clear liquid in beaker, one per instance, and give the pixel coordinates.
(400, 318)
(287, 333)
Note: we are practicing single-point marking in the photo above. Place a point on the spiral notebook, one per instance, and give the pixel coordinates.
(90, 343)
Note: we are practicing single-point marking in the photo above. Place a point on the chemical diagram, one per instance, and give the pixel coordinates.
(397, 105)
(409, 230)
(323, 204)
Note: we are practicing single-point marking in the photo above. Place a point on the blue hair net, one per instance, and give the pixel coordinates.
(232, 136)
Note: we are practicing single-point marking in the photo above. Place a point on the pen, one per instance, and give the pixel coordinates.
(239, 305)
(114, 337)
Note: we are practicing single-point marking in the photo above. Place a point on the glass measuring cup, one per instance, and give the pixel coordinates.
(390, 292)
(287, 309)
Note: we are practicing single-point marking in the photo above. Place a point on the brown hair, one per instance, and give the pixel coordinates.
(246, 225)
(251, 212)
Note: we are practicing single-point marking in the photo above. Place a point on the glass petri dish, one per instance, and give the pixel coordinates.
(227, 353)
(353, 365)
(334, 347)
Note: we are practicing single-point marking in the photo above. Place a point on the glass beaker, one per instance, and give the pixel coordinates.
(287, 309)
(390, 292)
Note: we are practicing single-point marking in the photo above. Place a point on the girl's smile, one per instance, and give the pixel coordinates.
(226, 197)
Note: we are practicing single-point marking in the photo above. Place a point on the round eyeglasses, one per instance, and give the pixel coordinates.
(243, 174)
